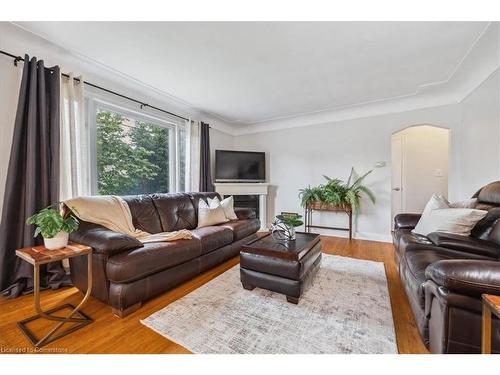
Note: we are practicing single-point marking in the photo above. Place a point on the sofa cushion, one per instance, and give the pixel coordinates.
(407, 239)
(242, 228)
(176, 211)
(153, 257)
(465, 244)
(484, 227)
(490, 194)
(102, 240)
(144, 214)
(212, 237)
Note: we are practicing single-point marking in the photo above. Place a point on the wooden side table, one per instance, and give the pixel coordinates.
(491, 304)
(38, 256)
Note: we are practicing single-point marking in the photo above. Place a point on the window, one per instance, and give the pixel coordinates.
(136, 154)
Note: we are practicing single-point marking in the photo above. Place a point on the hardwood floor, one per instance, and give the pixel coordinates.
(109, 334)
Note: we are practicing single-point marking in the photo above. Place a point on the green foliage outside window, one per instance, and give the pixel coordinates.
(132, 156)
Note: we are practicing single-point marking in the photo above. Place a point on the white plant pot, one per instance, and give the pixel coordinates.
(57, 242)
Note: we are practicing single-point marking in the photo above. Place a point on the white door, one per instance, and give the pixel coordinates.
(419, 162)
(397, 174)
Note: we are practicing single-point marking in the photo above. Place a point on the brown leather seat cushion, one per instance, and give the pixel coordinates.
(407, 240)
(153, 257)
(242, 228)
(465, 243)
(213, 237)
(418, 259)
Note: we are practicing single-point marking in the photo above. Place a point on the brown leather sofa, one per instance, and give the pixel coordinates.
(444, 276)
(127, 272)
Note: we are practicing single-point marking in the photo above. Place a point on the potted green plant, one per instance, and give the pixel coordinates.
(53, 226)
(283, 227)
(336, 193)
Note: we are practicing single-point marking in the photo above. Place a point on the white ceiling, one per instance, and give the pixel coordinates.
(251, 72)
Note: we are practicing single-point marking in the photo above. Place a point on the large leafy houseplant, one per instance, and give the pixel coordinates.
(53, 226)
(337, 193)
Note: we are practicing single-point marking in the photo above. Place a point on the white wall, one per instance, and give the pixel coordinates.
(300, 156)
(480, 116)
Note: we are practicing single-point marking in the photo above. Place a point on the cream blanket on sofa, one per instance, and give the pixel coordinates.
(113, 212)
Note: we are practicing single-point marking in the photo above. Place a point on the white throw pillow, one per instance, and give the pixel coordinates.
(210, 214)
(227, 205)
(439, 217)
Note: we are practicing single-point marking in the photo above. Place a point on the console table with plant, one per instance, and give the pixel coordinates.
(335, 196)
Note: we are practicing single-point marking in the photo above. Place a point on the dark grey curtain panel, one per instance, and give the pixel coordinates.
(205, 171)
(32, 178)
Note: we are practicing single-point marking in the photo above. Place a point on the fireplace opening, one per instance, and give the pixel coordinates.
(247, 201)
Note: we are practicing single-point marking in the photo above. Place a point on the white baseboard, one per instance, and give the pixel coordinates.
(379, 237)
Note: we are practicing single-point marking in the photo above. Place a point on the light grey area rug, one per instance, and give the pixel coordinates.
(346, 310)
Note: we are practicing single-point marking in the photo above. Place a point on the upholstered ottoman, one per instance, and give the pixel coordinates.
(283, 267)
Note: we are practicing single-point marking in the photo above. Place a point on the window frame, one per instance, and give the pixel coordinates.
(94, 104)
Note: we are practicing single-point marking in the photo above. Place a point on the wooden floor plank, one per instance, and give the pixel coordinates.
(109, 334)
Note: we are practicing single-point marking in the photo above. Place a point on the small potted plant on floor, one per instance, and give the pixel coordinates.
(53, 226)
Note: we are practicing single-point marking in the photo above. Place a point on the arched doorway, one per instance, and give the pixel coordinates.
(420, 164)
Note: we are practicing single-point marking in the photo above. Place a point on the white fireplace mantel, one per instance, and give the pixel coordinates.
(255, 188)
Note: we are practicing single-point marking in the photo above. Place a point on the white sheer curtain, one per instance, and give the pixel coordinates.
(75, 164)
(192, 156)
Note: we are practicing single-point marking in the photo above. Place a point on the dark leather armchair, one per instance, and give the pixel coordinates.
(444, 276)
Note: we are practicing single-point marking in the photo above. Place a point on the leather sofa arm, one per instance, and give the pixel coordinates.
(464, 243)
(103, 240)
(244, 213)
(406, 221)
(466, 276)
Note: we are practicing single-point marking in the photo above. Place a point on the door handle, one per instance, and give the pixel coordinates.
(396, 189)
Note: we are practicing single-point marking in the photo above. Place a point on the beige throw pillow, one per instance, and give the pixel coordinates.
(227, 205)
(439, 217)
(210, 214)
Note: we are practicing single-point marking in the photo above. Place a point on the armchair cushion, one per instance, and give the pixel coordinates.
(465, 244)
(406, 221)
(466, 276)
(103, 240)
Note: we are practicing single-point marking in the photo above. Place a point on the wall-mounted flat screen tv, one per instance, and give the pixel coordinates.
(240, 166)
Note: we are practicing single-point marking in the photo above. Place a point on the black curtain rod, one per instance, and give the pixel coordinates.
(143, 105)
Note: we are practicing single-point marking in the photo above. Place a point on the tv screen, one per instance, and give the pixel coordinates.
(234, 166)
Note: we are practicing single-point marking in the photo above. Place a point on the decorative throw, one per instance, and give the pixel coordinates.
(113, 212)
(441, 216)
(227, 205)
